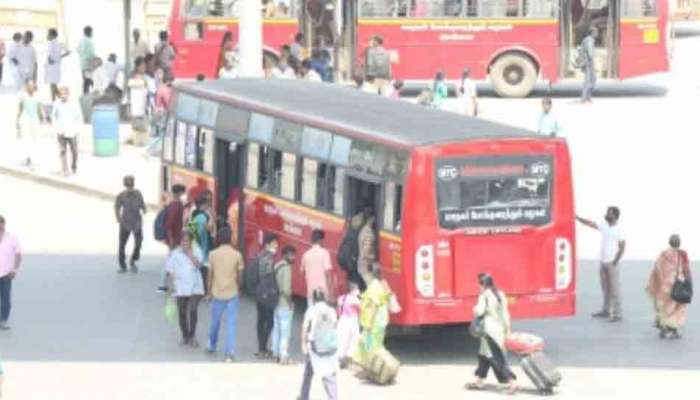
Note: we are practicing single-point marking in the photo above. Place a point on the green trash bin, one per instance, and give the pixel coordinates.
(105, 130)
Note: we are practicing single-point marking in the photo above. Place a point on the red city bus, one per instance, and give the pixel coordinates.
(513, 43)
(452, 196)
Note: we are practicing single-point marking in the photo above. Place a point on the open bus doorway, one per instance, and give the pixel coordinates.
(228, 187)
(577, 18)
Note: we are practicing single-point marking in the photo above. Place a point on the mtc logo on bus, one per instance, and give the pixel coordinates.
(448, 173)
(539, 169)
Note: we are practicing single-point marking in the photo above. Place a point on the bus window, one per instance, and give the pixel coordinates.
(194, 31)
(281, 8)
(191, 147)
(329, 189)
(270, 170)
(393, 194)
(308, 181)
(213, 8)
(338, 191)
(253, 165)
(638, 8)
(169, 139)
(180, 136)
(539, 8)
(205, 151)
(288, 175)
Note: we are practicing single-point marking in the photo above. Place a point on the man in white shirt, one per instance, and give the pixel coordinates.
(139, 48)
(611, 251)
(548, 124)
(26, 55)
(468, 94)
(112, 70)
(308, 73)
(54, 58)
(66, 117)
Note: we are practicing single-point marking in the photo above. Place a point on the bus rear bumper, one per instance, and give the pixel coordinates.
(451, 311)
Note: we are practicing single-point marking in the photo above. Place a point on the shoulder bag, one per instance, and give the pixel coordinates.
(477, 328)
(682, 291)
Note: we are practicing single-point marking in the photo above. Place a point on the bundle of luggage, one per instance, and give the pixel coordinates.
(536, 365)
(381, 367)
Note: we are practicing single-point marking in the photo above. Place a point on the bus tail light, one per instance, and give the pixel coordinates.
(425, 271)
(563, 263)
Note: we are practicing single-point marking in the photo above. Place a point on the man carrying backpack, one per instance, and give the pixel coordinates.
(587, 49)
(319, 344)
(378, 64)
(260, 281)
(168, 226)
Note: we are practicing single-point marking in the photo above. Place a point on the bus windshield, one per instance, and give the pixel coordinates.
(494, 191)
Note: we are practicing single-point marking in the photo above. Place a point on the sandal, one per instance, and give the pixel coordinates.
(475, 386)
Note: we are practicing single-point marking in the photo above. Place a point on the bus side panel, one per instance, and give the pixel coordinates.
(422, 47)
(643, 46)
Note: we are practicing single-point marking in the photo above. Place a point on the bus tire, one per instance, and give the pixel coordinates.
(513, 75)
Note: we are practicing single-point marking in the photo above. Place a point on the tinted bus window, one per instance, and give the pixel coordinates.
(393, 196)
(367, 157)
(308, 181)
(191, 147)
(316, 143)
(205, 151)
(180, 136)
(288, 176)
(187, 107)
(340, 150)
(494, 191)
(261, 127)
(168, 140)
(208, 111)
(286, 136)
(638, 8)
(234, 121)
(253, 165)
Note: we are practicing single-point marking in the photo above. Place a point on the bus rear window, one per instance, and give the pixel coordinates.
(494, 191)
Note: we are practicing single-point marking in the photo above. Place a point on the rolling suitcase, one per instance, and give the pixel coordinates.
(382, 367)
(541, 371)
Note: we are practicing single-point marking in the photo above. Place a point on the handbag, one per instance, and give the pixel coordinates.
(682, 290)
(477, 328)
(170, 310)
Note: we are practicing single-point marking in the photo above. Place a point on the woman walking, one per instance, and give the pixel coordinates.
(30, 115)
(671, 264)
(186, 280)
(374, 315)
(439, 90)
(492, 308)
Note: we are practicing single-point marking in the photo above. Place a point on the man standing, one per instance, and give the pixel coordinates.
(26, 55)
(316, 266)
(10, 260)
(165, 54)
(548, 124)
(318, 343)
(468, 94)
(86, 50)
(10, 70)
(67, 117)
(139, 48)
(225, 268)
(588, 48)
(173, 226)
(54, 58)
(284, 312)
(128, 208)
(378, 63)
(264, 263)
(612, 249)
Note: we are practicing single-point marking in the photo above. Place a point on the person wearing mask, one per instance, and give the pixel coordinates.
(225, 270)
(548, 124)
(439, 90)
(30, 115)
(86, 50)
(468, 94)
(611, 252)
(10, 261)
(173, 225)
(55, 54)
(27, 58)
(67, 117)
(589, 78)
(671, 265)
(378, 63)
(318, 338)
(317, 267)
(492, 309)
(265, 271)
(139, 48)
(129, 208)
(284, 312)
(182, 269)
(165, 54)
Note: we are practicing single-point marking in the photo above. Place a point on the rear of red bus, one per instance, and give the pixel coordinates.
(197, 36)
(503, 207)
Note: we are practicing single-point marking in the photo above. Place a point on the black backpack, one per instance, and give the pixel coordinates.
(159, 231)
(268, 293)
(348, 252)
(251, 276)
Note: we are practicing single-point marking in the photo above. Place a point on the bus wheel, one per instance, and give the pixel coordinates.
(513, 75)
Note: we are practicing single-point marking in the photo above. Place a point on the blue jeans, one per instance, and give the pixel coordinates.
(218, 307)
(588, 82)
(5, 289)
(281, 332)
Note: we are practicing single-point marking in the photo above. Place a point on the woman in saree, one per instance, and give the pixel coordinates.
(672, 263)
(374, 315)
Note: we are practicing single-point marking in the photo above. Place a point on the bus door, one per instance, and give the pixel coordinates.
(229, 175)
(363, 193)
(577, 17)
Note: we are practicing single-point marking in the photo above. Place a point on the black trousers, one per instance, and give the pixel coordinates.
(497, 362)
(187, 309)
(205, 278)
(354, 276)
(63, 143)
(123, 239)
(87, 84)
(266, 318)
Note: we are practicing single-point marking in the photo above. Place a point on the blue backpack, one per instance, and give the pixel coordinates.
(159, 232)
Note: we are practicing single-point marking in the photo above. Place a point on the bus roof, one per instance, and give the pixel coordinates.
(354, 112)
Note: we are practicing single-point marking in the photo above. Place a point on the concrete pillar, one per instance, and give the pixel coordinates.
(250, 39)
